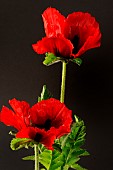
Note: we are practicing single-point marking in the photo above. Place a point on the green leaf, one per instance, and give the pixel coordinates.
(57, 160)
(77, 61)
(18, 143)
(51, 160)
(45, 158)
(72, 161)
(29, 158)
(71, 144)
(78, 167)
(50, 59)
(45, 94)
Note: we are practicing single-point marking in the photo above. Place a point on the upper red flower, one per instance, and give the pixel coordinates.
(68, 37)
(43, 122)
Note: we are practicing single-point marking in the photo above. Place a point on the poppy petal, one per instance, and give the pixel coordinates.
(27, 132)
(52, 114)
(53, 22)
(86, 28)
(21, 109)
(38, 135)
(8, 117)
(59, 46)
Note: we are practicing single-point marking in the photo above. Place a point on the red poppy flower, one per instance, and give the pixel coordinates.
(43, 122)
(76, 34)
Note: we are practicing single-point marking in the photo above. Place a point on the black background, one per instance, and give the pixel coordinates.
(89, 88)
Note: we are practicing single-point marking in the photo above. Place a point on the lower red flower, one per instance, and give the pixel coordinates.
(43, 122)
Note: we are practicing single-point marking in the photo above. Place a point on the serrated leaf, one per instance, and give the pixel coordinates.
(78, 61)
(79, 152)
(71, 144)
(72, 161)
(78, 167)
(50, 59)
(57, 160)
(45, 158)
(45, 94)
(18, 143)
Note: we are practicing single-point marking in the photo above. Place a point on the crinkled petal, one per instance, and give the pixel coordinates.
(59, 46)
(8, 117)
(53, 22)
(59, 116)
(38, 135)
(21, 109)
(46, 109)
(86, 28)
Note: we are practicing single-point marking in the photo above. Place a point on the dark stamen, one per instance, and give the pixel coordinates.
(46, 125)
(38, 137)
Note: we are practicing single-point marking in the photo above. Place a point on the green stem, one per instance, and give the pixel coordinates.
(36, 157)
(62, 95)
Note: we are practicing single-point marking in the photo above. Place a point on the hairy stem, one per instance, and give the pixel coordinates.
(36, 157)
(62, 95)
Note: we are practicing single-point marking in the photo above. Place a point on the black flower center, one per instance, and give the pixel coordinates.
(75, 42)
(46, 125)
(38, 137)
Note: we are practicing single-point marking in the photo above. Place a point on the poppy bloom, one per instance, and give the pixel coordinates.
(68, 37)
(43, 122)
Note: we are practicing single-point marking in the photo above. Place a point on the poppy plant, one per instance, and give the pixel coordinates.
(43, 122)
(68, 37)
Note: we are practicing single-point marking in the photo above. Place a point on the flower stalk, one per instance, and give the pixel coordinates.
(36, 157)
(62, 95)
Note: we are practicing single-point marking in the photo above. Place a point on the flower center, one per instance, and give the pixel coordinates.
(46, 125)
(38, 137)
(75, 42)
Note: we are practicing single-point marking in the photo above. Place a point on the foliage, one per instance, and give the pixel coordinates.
(18, 143)
(67, 150)
(45, 94)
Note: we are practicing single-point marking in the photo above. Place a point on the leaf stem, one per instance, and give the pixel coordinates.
(36, 157)
(62, 95)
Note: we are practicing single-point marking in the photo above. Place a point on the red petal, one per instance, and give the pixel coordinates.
(46, 138)
(53, 22)
(86, 28)
(8, 117)
(27, 132)
(54, 110)
(21, 109)
(38, 113)
(58, 46)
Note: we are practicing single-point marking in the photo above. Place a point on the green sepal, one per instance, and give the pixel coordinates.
(50, 59)
(18, 143)
(78, 61)
(45, 94)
